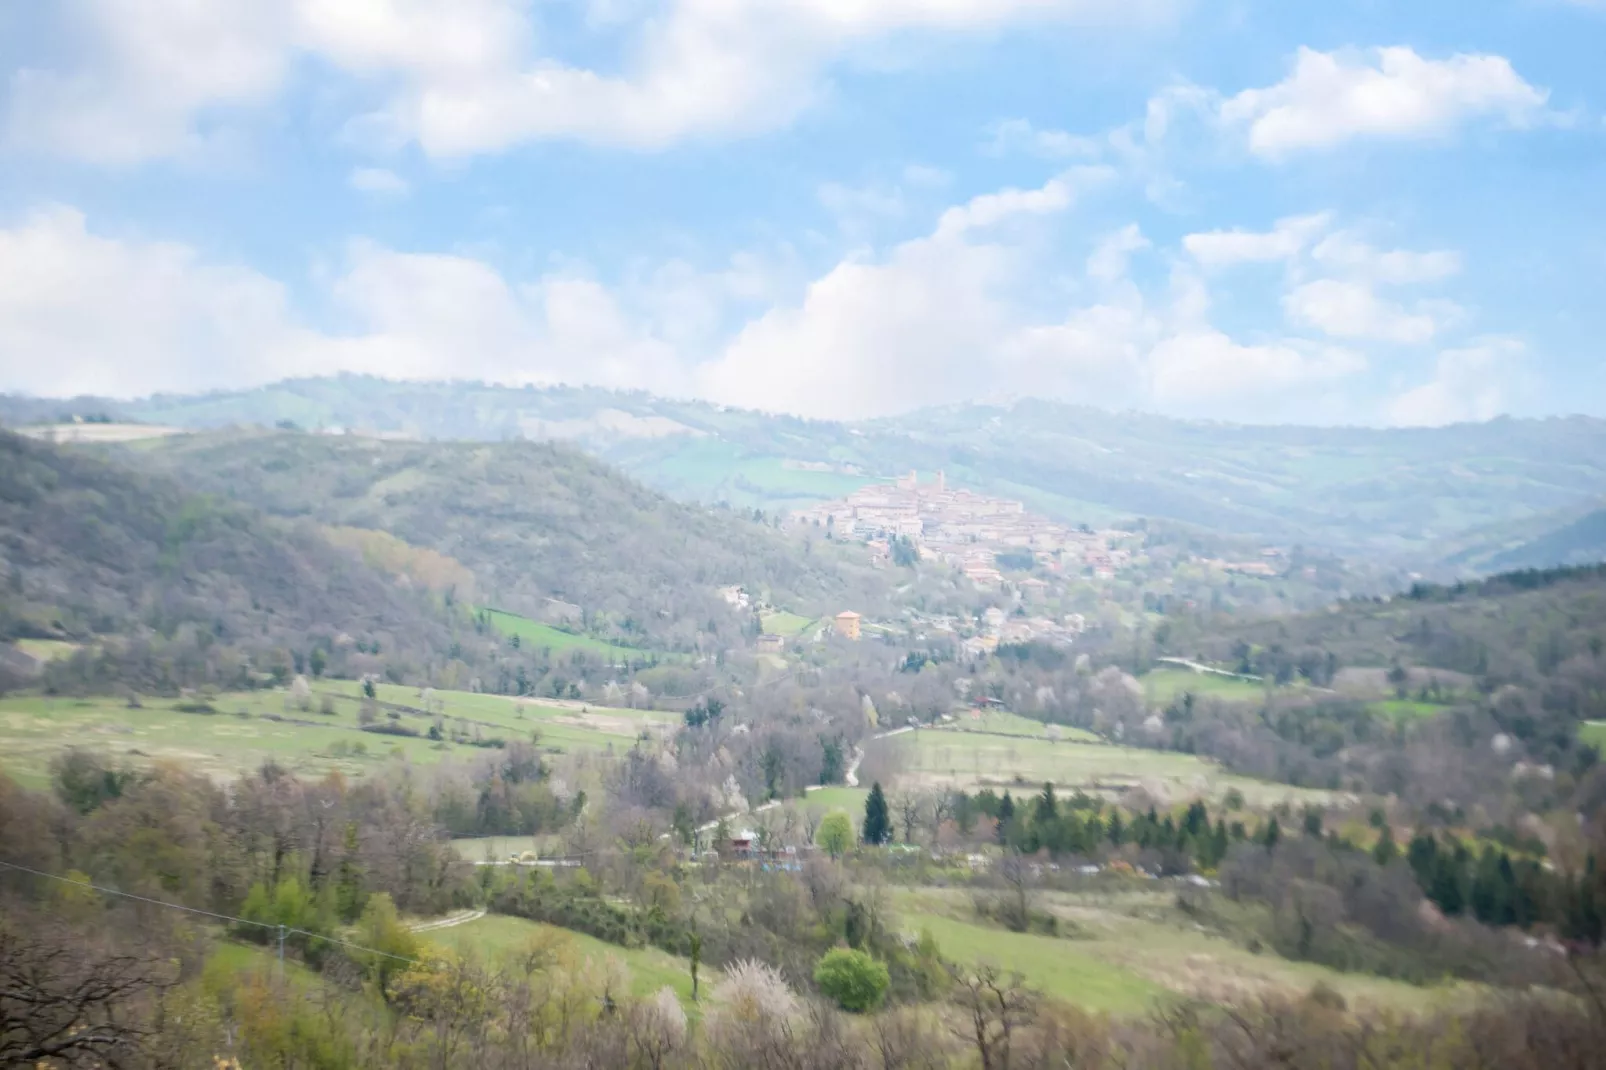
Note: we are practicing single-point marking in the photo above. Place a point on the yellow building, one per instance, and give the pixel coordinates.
(847, 624)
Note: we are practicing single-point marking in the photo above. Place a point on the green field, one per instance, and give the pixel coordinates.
(1004, 723)
(46, 649)
(498, 848)
(1055, 966)
(838, 798)
(545, 637)
(1406, 709)
(1593, 732)
(250, 727)
(1164, 685)
(780, 622)
(497, 936)
(973, 759)
(1123, 949)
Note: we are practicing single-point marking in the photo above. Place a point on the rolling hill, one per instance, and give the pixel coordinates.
(1398, 492)
(542, 528)
(166, 587)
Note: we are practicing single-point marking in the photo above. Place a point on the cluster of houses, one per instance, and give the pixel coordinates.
(966, 530)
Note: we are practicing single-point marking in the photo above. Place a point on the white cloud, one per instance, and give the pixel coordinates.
(1020, 135)
(1343, 251)
(80, 313)
(1109, 260)
(1223, 248)
(1206, 365)
(461, 77)
(969, 310)
(154, 76)
(1349, 309)
(1333, 97)
(1472, 383)
(378, 181)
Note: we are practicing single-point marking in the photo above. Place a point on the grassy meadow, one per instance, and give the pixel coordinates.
(1126, 949)
(933, 757)
(1004, 723)
(781, 622)
(244, 729)
(1164, 685)
(544, 636)
(497, 937)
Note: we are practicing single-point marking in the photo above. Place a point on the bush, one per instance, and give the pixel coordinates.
(855, 980)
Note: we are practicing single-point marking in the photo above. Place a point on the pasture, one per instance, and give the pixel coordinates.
(973, 760)
(1162, 686)
(496, 938)
(541, 636)
(781, 622)
(229, 734)
(1004, 723)
(1125, 948)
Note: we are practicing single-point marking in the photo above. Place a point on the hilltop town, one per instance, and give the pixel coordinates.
(968, 531)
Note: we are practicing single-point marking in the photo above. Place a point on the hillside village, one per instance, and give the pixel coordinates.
(967, 530)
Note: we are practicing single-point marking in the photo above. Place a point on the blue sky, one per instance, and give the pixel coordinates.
(1356, 212)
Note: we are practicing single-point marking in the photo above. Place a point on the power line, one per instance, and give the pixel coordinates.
(282, 930)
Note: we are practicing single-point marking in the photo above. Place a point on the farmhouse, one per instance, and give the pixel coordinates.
(847, 624)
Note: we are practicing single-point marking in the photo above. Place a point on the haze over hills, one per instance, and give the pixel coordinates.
(1405, 493)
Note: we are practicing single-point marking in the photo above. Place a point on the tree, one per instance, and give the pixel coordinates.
(836, 833)
(994, 1006)
(877, 821)
(852, 978)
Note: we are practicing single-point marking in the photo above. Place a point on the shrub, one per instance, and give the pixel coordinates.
(853, 979)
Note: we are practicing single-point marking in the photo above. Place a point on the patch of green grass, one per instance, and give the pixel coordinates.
(250, 727)
(1163, 686)
(46, 649)
(1406, 709)
(545, 636)
(1004, 723)
(1129, 946)
(497, 848)
(838, 797)
(975, 759)
(780, 622)
(1593, 732)
(1055, 966)
(497, 936)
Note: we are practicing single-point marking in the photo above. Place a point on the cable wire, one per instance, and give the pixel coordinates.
(206, 913)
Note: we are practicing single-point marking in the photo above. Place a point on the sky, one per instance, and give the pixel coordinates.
(1382, 212)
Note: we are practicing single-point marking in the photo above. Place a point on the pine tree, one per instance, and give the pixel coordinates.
(1006, 817)
(1047, 806)
(877, 822)
(1386, 849)
(1273, 833)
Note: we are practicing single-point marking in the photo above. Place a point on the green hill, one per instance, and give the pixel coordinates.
(1395, 491)
(162, 587)
(546, 531)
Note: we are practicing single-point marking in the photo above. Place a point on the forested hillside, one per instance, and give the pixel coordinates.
(1402, 492)
(533, 522)
(160, 586)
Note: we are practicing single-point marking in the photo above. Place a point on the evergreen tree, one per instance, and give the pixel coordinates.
(1117, 830)
(1006, 817)
(877, 821)
(1047, 807)
(1273, 833)
(1386, 850)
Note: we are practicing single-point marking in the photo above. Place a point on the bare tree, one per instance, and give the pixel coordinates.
(907, 805)
(67, 1002)
(995, 1006)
